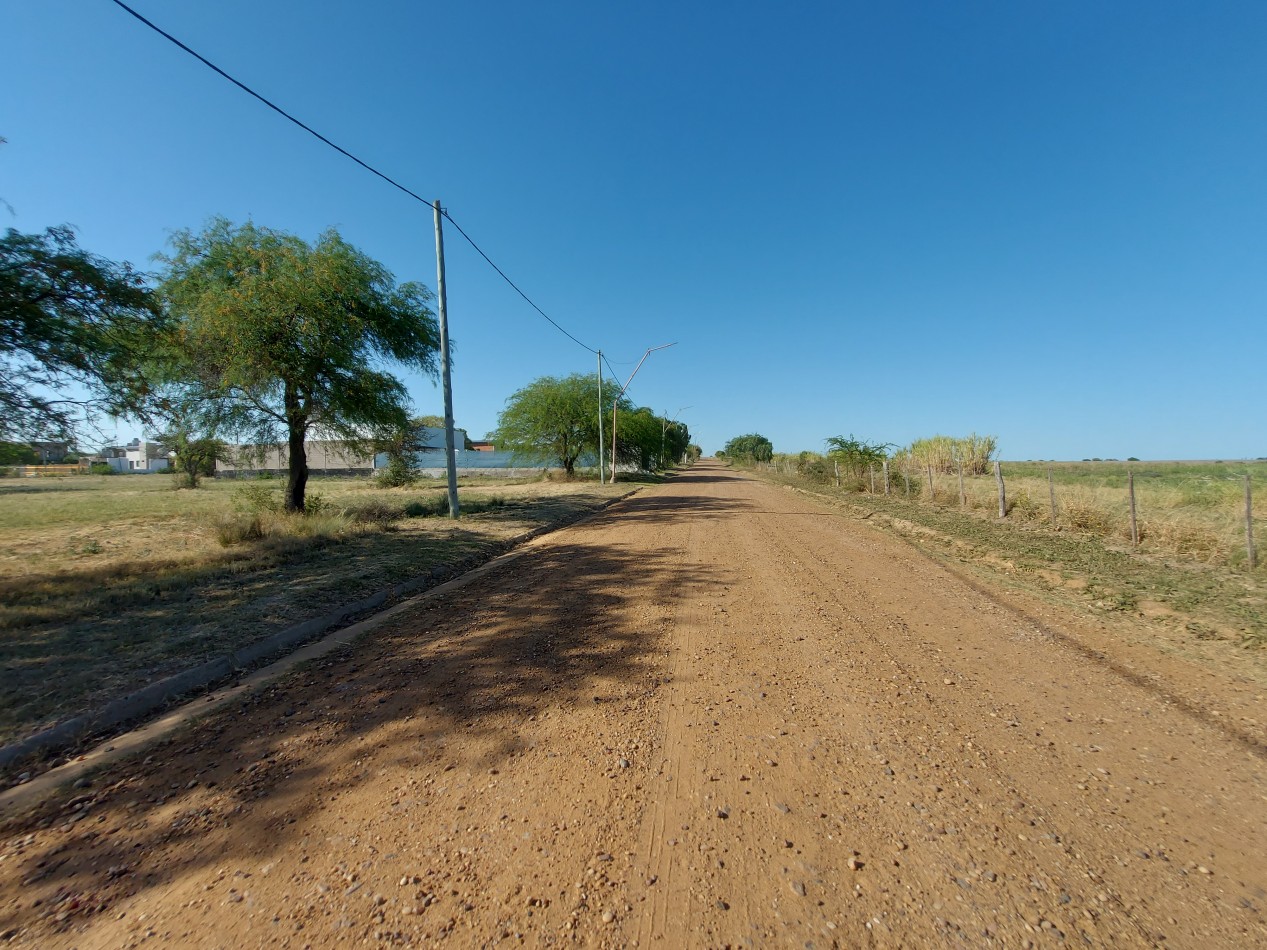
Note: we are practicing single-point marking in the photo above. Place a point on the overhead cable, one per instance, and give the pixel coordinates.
(342, 151)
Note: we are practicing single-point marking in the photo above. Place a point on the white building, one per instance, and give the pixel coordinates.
(139, 457)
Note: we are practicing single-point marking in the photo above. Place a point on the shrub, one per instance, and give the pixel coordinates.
(1085, 517)
(100, 468)
(253, 498)
(239, 528)
(398, 473)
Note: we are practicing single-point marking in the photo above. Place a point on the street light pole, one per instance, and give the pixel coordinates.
(664, 346)
(664, 429)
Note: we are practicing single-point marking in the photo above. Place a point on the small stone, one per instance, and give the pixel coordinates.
(1203, 869)
(798, 888)
(608, 916)
(948, 682)
(723, 813)
(855, 864)
(623, 763)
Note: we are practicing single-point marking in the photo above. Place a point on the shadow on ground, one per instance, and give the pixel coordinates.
(567, 623)
(73, 640)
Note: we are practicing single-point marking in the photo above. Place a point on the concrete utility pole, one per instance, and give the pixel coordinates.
(601, 476)
(664, 346)
(450, 458)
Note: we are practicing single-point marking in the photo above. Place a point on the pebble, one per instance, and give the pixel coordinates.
(799, 888)
(608, 916)
(855, 864)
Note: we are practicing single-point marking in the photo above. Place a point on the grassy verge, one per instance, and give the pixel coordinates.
(1198, 599)
(107, 584)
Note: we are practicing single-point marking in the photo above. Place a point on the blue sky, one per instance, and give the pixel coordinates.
(1042, 221)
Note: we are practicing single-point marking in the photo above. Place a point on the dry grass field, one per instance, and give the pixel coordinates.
(107, 582)
(1188, 572)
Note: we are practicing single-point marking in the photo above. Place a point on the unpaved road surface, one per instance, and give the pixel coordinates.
(717, 715)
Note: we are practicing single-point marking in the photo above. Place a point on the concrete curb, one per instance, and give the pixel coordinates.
(158, 694)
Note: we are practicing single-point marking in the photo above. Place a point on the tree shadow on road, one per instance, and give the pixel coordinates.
(567, 623)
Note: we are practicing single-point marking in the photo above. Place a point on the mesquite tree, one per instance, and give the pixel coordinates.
(278, 338)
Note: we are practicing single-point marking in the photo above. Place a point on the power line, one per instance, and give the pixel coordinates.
(342, 151)
(512, 283)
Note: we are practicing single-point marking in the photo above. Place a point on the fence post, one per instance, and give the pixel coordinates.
(1130, 490)
(932, 492)
(1249, 525)
(836, 467)
(906, 477)
(998, 477)
(886, 476)
(871, 471)
(963, 496)
(1051, 490)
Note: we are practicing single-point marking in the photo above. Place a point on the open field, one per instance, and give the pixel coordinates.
(107, 583)
(1188, 573)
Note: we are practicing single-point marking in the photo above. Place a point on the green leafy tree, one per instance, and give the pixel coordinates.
(750, 448)
(196, 457)
(18, 453)
(277, 338)
(638, 438)
(74, 329)
(855, 457)
(555, 419)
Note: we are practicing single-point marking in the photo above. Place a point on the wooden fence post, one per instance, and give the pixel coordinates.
(1249, 525)
(906, 477)
(1130, 491)
(1051, 490)
(836, 468)
(932, 492)
(963, 496)
(886, 476)
(998, 477)
(871, 472)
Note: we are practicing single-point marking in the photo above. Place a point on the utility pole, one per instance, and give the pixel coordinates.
(664, 346)
(601, 476)
(450, 459)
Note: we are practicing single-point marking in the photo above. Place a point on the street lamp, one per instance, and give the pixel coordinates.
(664, 429)
(664, 346)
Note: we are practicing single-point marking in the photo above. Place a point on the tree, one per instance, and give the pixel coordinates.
(856, 456)
(639, 438)
(74, 329)
(275, 337)
(749, 448)
(195, 457)
(18, 453)
(555, 419)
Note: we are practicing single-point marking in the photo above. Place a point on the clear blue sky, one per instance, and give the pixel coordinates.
(1044, 221)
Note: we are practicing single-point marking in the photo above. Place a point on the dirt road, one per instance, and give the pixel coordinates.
(717, 715)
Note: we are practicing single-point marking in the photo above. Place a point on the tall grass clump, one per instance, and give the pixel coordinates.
(944, 453)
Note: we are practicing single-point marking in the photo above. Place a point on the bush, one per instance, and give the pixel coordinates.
(239, 528)
(100, 468)
(257, 499)
(1089, 518)
(399, 473)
